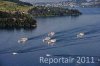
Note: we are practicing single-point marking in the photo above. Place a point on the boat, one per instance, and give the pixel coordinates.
(51, 34)
(48, 55)
(46, 39)
(22, 40)
(80, 35)
(14, 53)
(51, 41)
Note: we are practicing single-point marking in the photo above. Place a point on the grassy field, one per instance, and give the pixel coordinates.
(11, 6)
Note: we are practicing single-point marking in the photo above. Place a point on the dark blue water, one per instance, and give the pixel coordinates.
(89, 10)
(67, 44)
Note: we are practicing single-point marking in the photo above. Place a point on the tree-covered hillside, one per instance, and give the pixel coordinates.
(19, 2)
(14, 15)
(14, 5)
(53, 11)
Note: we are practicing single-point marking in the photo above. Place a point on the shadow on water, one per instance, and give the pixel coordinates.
(50, 17)
(16, 29)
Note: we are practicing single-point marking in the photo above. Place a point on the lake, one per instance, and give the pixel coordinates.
(68, 45)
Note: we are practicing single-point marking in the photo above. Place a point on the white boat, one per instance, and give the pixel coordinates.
(22, 40)
(46, 39)
(48, 55)
(51, 34)
(80, 35)
(14, 53)
(51, 41)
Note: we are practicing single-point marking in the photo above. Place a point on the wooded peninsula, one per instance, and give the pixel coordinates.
(15, 14)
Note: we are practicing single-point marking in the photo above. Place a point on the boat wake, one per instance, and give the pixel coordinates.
(64, 39)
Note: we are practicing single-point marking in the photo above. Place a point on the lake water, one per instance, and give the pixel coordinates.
(66, 29)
